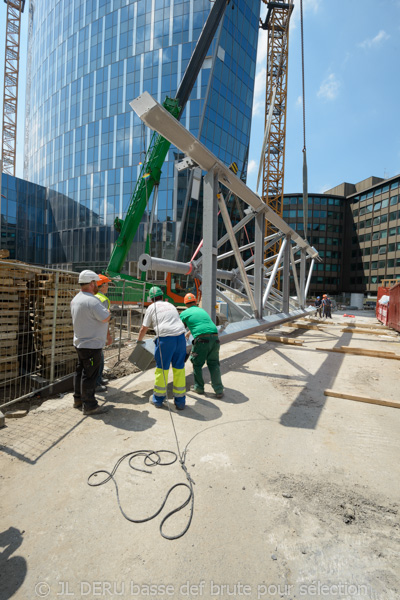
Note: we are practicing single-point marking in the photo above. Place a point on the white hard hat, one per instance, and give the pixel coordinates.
(87, 276)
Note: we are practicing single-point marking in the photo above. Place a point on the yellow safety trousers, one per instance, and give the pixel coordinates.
(161, 382)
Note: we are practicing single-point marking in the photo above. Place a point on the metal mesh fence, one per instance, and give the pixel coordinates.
(36, 332)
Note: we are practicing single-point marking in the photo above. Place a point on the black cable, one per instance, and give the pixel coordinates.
(149, 461)
(151, 458)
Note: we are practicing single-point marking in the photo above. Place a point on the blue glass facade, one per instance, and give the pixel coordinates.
(89, 59)
(23, 220)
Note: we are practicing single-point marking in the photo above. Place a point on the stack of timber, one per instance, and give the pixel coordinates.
(15, 341)
(52, 325)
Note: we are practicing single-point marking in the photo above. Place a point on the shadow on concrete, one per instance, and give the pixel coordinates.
(134, 397)
(306, 410)
(127, 419)
(13, 569)
(203, 410)
(29, 443)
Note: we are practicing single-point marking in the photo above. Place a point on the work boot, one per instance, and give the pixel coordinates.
(219, 395)
(101, 388)
(78, 404)
(195, 389)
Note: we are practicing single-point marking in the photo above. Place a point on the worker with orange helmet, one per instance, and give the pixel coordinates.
(327, 306)
(205, 347)
(101, 295)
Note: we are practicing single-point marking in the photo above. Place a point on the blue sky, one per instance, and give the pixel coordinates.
(352, 81)
(352, 50)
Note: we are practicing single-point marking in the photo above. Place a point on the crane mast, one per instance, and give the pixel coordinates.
(15, 8)
(277, 25)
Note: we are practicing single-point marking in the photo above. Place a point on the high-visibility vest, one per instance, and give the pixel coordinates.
(103, 299)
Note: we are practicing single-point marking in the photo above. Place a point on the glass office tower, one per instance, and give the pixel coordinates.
(87, 60)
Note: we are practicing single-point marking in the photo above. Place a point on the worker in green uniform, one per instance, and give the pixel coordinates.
(205, 348)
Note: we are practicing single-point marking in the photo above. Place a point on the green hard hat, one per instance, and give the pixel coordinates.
(155, 292)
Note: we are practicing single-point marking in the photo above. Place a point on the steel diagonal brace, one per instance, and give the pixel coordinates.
(235, 248)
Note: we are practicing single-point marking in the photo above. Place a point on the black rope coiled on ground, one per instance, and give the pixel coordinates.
(151, 458)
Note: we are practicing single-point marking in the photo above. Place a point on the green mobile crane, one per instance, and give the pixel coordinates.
(151, 169)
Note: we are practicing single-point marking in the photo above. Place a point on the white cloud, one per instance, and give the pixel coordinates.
(252, 166)
(299, 101)
(262, 47)
(380, 37)
(329, 88)
(259, 91)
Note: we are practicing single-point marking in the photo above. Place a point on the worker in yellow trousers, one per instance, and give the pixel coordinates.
(170, 348)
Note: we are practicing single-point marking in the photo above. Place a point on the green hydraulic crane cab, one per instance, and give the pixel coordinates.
(132, 289)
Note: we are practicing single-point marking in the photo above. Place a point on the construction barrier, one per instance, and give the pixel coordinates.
(389, 314)
(382, 309)
(36, 333)
(394, 307)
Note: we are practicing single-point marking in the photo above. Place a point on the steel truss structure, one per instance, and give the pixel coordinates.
(252, 279)
(10, 96)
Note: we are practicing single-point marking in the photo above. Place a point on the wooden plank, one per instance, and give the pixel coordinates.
(366, 331)
(9, 366)
(303, 326)
(47, 337)
(365, 326)
(8, 336)
(362, 352)
(366, 399)
(9, 299)
(283, 340)
(58, 351)
(12, 325)
(12, 357)
(9, 375)
(369, 352)
(7, 345)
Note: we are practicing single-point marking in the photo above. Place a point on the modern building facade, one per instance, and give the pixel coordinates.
(33, 225)
(87, 60)
(356, 230)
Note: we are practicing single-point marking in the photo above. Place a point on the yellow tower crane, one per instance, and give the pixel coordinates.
(15, 8)
(273, 160)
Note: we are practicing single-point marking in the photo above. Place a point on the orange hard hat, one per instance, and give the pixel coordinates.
(189, 298)
(325, 296)
(103, 279)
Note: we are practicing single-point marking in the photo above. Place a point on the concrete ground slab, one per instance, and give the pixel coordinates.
(296, 494)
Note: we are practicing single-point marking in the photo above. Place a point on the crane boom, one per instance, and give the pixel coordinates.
(10, 95)
(277, 25)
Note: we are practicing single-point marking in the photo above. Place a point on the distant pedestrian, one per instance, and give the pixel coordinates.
(327, 306)
(170, 349)
(101, 295)
(90, 320)
(318, 306)
(205, 348)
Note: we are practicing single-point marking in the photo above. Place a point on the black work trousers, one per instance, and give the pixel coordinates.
(87, 370)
